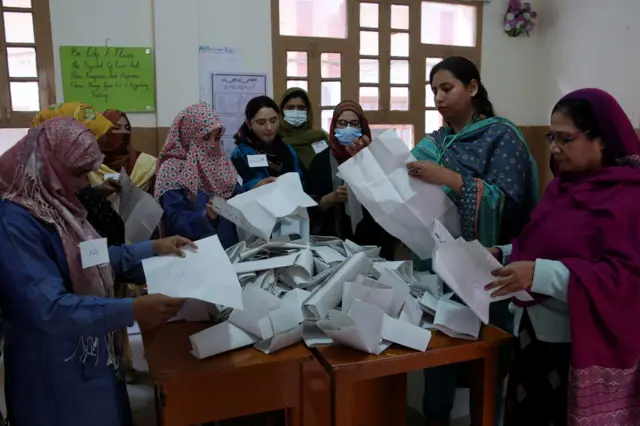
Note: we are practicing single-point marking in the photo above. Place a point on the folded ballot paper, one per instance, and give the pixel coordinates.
(404, 206)
(204, 274)
(139, 211)
(278, 208)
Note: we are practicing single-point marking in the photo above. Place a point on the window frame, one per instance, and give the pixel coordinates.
(349, 48)
(44, 60)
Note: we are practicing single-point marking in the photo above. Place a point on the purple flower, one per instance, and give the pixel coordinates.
(515, 4)
(534, 14)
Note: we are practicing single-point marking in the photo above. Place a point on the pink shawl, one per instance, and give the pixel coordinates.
(590, 222)
(36, 173)
(188, 161)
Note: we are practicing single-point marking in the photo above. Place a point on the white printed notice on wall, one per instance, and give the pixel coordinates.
(215, 59)
(230, 95)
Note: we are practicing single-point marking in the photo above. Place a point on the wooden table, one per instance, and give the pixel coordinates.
(234, 384)
(370, 390)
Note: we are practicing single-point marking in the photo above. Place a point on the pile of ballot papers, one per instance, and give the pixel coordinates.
(280, 285)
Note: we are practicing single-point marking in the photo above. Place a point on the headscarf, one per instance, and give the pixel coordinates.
(116, 147)
(300, 138)
(80, 111)
(337, 149)
(188, 161)
(589, 222)
(279, 156)
(35, 173)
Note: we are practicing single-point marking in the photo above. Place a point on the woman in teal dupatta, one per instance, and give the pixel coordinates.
(486, 168)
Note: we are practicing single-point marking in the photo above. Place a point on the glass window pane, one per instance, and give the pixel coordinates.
(369, 15)
(330, 65)
(399, 73)
(405, 131)
(326, 18)
(22, 62)
(448, 24)
(369, 98)
(25, 96)
(400, 99)
(429, 98)
(399, 17)
(16, 3)
(369, 43)
(432, 121)
(369, 71)
(431, 62)
(297, 64)
(400, 44)
(303, 84)
(18, 27)
(330, 93)
(326, 116)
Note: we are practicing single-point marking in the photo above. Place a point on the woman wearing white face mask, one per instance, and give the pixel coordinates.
(349, 133)
(296, 125)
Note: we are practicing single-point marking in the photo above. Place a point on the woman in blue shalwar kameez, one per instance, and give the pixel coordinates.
(486, 168)
(60, 321)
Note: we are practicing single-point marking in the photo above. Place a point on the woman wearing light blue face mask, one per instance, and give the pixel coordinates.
(296, 125)
(334, 216)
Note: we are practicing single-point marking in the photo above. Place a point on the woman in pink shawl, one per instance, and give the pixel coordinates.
(579, 256)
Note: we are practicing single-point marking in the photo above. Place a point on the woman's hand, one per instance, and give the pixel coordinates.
(358, 145)
(430, 172)
(155, 309)
(338, 196)
(265, 181)
(211, 214)
(495, 252)
(172, 245)
(108, 188)
(512, 278)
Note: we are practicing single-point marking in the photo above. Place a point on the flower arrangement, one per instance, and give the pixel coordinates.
(519, 19)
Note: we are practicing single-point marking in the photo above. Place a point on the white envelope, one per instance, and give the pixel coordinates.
(405, 334)
(265, 264)
(360, 330)
(257, 304)
(205, 274)
(313, 336)
(328, 296)
(466, 267)
(298, 274)
(220, 338)
(280, 341)
(456, 320)
(404, 206)
(139, 211)
(368, 290)
(195, 310)
(328, 254)
(401, 290)
(258, 210)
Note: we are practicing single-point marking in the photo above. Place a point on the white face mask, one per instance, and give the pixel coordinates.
(294, 117)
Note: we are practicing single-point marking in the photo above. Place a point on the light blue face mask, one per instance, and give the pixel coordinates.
(295, 117)
(347, 135)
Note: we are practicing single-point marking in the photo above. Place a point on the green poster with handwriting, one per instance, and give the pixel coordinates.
(109, 77)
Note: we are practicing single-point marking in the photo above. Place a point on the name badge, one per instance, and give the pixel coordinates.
(94, 252)
(240, 181)
(319, 146)
(259, 160)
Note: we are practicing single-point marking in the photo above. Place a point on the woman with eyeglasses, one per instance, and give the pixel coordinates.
(260, 155)
(296, 125)
(349, 133)
(579, 256)
(192, 170)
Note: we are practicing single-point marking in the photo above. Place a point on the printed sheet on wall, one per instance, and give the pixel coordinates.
(230, 95)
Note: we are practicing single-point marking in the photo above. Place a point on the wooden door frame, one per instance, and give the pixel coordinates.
(44, 60)
(349, 47)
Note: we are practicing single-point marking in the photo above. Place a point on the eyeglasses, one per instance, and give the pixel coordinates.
(562, 139)
(263, 122)
(345, 123)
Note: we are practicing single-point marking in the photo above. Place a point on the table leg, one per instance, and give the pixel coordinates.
(316, 394)
(484, 390)
(344, 401)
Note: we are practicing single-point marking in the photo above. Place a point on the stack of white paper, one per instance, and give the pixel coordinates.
(404, 206)
(257, 211)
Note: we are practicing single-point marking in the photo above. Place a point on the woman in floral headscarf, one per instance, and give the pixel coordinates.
(192, 169)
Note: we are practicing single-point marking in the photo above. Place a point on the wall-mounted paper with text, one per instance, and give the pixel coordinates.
(109, 77)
